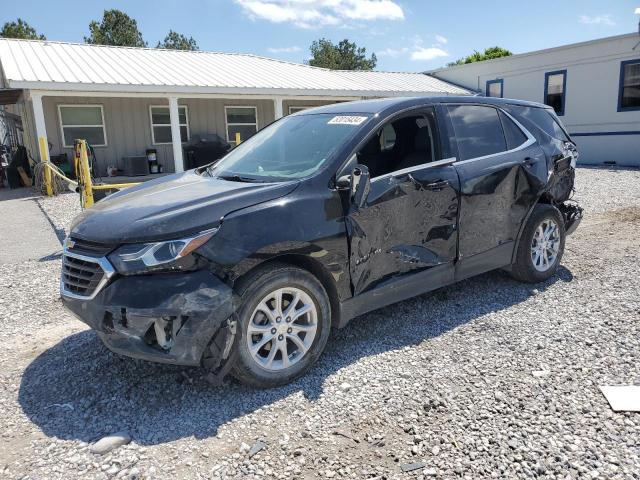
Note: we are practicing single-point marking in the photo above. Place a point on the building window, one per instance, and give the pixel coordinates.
(161, 124)
(242, 120)
(494, 88)
(555, 84)
(629, 91)
(297, 109)
(82, 122)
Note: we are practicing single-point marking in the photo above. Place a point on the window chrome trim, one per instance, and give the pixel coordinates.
(438, 163)
(107, 269)
(530, 138)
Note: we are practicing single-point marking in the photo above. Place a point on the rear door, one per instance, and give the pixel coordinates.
(499, 165)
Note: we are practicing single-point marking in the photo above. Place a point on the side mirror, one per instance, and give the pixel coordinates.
(357, 183)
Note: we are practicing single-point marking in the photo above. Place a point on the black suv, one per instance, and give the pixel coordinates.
(245, 265)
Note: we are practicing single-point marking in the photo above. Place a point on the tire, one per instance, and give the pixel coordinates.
(258, 293)
(528, 266)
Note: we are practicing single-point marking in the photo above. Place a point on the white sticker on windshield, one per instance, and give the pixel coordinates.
(346, 120)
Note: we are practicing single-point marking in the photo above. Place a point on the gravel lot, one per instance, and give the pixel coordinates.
(488, 378)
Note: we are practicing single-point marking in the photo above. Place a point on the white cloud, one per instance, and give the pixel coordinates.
(320, 13)
(392, 52)
(421, 53)
(605, 19)
(284, 49)
(441, 40)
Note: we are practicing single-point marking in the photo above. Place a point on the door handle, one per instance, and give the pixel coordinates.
(437, 185)
(529, 162)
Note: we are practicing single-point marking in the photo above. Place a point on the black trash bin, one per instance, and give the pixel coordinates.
(204, 149)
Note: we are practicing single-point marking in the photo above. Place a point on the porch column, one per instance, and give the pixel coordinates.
(41, 129)
(277, 107)
(41, 138)
(176, 139)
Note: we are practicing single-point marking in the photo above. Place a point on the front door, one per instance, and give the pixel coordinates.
(409, 221)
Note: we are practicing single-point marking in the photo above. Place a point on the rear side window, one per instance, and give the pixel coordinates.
(545, 120)
(512, 133)
(478, 130)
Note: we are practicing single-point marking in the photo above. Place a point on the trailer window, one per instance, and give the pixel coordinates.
(629, 86)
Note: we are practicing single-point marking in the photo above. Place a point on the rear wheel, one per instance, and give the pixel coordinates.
(283, 324)
(541, 246)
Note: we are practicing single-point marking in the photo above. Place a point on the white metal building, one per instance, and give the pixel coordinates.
(594, 87)
(125, 100)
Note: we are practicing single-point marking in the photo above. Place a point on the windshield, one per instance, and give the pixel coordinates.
(294, 147)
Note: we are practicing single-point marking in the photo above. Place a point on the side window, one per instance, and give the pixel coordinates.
(406, 142)
(512, 133)
(544, 120)
(478, 130)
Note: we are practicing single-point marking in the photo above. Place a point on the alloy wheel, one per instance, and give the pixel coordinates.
(282, 328)
(545, 245)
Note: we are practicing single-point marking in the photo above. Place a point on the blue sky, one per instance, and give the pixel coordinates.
(407, 35)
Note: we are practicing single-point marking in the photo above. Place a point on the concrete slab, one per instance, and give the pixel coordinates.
(25, 231)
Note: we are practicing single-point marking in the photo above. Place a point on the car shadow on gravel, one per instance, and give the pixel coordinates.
(79, 390)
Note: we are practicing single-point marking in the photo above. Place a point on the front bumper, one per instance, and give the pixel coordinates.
(189, 307)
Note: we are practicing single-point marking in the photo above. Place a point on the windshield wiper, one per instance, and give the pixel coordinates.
(238, 178)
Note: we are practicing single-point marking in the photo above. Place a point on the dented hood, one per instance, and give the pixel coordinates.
(170, 207)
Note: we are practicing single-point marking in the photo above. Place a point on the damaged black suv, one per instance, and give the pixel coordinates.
(245, 266)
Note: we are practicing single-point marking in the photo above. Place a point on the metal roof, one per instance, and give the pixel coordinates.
(47, 65)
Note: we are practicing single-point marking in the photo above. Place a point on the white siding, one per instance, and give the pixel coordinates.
(591, 102)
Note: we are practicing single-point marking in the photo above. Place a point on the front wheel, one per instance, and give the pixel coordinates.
(541, 246)
(284, 322)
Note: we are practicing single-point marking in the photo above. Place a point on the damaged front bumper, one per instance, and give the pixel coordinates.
(167, 318)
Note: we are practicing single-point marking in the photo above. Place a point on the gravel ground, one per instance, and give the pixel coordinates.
(488, 378)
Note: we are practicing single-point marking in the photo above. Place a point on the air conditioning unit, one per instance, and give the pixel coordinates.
(132, 166)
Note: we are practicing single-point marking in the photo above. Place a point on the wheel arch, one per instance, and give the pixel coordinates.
(311, 266)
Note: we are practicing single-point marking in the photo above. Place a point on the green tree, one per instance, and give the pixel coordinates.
(345, 55)
(476, 56)
(177, 41)
(20, 29)
(116, 28)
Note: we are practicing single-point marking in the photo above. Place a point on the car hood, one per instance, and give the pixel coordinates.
(170, 207)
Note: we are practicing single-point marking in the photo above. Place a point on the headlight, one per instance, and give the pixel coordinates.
(167, 255)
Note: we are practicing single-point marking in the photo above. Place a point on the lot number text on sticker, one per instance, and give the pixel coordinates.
(346, 120)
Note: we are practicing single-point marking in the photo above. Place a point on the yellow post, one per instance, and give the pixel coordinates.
(238, 141)
(44, 157)
(84, 173)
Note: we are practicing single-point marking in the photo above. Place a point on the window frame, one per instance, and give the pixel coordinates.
(454, 141)
(351, 159)
(153, 135)
(227, 124)
(621, 85)
(499, 81)
(81, 105)
(299, 107)
(564, 89)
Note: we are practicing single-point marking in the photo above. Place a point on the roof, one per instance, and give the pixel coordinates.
(388, 105)
(47, 65)
(539, 52)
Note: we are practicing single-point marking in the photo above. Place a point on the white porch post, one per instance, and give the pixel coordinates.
(41, 129)
(176, 139)
(277, 107)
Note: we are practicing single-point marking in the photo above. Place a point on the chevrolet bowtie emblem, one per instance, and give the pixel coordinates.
(68, 243)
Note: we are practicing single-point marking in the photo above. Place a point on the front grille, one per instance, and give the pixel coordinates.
(81, 277)
(92, 249)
